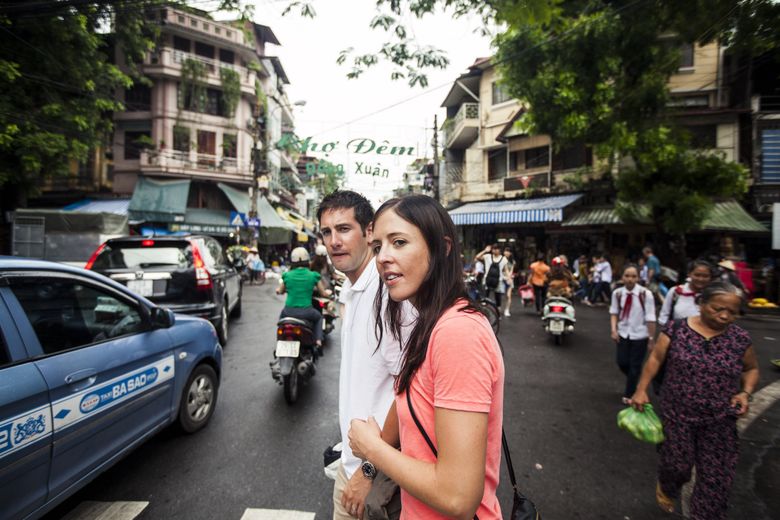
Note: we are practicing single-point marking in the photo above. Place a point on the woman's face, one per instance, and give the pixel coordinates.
(402, 255)
(630, 277)
(720, 311)
(700, 278)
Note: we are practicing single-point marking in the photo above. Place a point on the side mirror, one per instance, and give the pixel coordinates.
(162, 318)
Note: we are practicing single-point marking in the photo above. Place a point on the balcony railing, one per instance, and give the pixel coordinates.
(175, 58)
(193, 23)
(174, 160)
(467, 117)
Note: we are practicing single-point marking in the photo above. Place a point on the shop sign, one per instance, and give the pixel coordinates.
(207, 229)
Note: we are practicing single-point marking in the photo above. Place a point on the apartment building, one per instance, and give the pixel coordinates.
(184, 148)
(513, 187)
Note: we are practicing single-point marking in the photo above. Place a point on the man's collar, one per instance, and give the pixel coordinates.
(366, 276)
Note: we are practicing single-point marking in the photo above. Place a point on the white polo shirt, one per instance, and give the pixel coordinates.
(633, 326)
(367, 375)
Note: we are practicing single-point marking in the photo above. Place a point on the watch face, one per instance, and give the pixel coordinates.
(369, 471)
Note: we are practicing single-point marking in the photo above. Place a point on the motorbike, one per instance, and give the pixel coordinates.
(295, 356)
(327, 307)
(558, 317)
(526, 293)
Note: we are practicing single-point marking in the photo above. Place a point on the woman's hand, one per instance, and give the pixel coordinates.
(740, 403)
(639, 400)
(363, 435)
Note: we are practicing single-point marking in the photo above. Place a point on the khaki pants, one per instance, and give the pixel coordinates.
(339, 512)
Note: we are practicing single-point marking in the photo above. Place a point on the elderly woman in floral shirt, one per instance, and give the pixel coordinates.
(711, 372)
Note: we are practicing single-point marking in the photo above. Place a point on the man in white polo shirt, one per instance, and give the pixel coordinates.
(367, 370)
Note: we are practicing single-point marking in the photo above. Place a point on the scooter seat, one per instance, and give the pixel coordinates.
(558, 299)
(294, 321)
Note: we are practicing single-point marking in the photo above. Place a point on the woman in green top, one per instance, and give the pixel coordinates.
(299, 284)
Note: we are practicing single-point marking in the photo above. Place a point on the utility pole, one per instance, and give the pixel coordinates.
(436, 158)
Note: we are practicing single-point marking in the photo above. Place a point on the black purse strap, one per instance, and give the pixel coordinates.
(504, 443)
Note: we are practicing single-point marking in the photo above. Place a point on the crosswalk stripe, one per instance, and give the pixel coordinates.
(106, 511)
(276, 514)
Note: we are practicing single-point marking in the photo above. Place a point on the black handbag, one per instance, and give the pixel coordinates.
(522, 507)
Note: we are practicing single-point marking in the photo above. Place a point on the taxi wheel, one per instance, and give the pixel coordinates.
(223, 329)
(198, 399)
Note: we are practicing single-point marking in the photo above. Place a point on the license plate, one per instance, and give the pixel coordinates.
(556, 326)
(288, 348)
(142, 287)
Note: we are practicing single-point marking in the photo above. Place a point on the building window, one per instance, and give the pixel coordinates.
(229, 145)
(135, 142)
(138, 98)
(703, 136)
(181, 19)
(537, 157)
(181, 138)
(226, 56)
(514, 160)
(205, 26)
(193, 22)
(770, 155)
(575, 156)
(207, 51)
(217, 30)
(686, 53)
(212, 104)
(498, 95)
(181, 44)
(497, 164)
(207, 142)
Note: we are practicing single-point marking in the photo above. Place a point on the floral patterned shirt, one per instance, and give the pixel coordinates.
(702, 375)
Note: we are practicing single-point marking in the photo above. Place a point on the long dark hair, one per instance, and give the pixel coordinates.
(442, 286)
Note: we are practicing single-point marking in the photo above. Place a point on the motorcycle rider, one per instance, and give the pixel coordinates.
(299, 284)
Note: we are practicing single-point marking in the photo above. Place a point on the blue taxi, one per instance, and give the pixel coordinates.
(88, 371)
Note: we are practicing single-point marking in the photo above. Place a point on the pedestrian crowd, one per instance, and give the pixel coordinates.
(422, 373)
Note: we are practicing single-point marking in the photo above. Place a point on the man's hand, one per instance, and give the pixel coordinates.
(354, 496)
(614, 336)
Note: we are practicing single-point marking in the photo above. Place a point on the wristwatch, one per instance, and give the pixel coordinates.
(749, 395)
(369, 470)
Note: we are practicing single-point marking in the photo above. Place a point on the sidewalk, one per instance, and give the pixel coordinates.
(756, 493)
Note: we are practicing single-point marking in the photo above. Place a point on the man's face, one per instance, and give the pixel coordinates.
(347, 245)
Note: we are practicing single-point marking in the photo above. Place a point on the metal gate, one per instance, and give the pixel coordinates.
(28, 237)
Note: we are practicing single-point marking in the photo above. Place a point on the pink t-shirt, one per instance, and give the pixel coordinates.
(463, 370)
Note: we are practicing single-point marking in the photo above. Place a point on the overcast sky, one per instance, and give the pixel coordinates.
(339, 109)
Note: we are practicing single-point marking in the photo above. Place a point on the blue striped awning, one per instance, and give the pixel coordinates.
(547, 209)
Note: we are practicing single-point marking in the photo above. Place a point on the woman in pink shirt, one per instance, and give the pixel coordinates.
(452, 373)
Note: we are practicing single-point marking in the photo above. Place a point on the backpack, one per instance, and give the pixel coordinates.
(493, 275)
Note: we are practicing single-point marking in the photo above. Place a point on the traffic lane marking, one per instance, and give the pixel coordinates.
(106, 511)
(276, 514)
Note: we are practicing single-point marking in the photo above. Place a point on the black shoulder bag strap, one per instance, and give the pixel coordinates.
(522, 507)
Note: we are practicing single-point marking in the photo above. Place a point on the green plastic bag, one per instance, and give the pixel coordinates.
(645, 426)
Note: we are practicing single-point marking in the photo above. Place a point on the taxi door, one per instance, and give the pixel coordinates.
(110, 375)
(25, 424)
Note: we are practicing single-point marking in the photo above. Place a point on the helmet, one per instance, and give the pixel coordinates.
(556, 261)
(321, 250)
(299, 254)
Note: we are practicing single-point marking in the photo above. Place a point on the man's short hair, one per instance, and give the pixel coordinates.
(647, 249)
(345, 199)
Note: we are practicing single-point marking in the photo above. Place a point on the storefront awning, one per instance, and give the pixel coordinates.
(159, 201)
(115, 206)
(724, 216)
(238, 198)
(547, 209)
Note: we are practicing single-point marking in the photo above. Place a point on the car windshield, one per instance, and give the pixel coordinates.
(132, 256)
